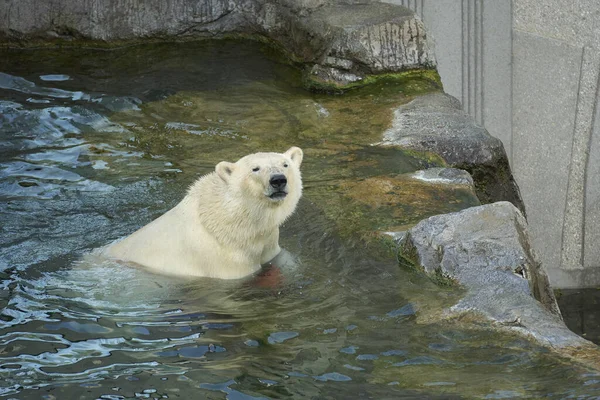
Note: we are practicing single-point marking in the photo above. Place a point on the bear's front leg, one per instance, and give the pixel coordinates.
(271, 248)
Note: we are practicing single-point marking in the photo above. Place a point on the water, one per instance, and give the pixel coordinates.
(95, 143)
(580, 311)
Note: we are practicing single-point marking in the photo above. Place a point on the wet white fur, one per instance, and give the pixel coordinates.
(225, 227)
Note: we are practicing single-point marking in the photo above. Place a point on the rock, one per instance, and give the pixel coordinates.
(398, 201)
(346, 41)
(120, 19)
(448, 176)
(322, 78)
(437, 123)
(340, 42)
(486, 249)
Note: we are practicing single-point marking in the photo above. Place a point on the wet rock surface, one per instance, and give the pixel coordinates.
(450, 176)
(486, 249)
(437, 123)
(388, 199)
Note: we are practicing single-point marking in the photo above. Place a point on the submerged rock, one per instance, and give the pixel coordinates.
(449, 176)
(486, 249)
(397, 202)
(436, 123)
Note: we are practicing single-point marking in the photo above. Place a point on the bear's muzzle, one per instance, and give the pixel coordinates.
(278, 183)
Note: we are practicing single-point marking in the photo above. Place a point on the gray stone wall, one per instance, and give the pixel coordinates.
(528, 70)
(557, 46)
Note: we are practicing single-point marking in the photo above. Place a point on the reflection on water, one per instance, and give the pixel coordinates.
(94, 144)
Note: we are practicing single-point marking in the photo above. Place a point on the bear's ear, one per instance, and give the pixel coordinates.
(224, 170)
(295, 153)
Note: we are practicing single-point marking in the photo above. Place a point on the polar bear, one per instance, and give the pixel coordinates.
(228, 223)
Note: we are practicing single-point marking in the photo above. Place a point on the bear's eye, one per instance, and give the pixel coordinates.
(256, 169)
(285, 165)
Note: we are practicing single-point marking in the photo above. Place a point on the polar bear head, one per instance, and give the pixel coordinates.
(266, 178)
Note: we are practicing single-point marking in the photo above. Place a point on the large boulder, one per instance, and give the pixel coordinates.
(113, 20)
(343, 42)
(487, 250)
(340, 42)
(437, 123)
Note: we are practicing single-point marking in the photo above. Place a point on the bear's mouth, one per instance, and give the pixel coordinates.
(279, 195)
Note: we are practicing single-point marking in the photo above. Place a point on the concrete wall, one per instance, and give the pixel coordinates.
(556, 46)
(528, 70)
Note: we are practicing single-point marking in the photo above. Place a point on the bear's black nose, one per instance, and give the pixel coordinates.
(278, 181)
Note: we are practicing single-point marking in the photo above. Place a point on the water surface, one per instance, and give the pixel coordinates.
(94, 144)
(581, 311)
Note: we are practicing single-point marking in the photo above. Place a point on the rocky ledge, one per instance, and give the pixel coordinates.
(486, 250)
(340, 43)
(437, 123)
